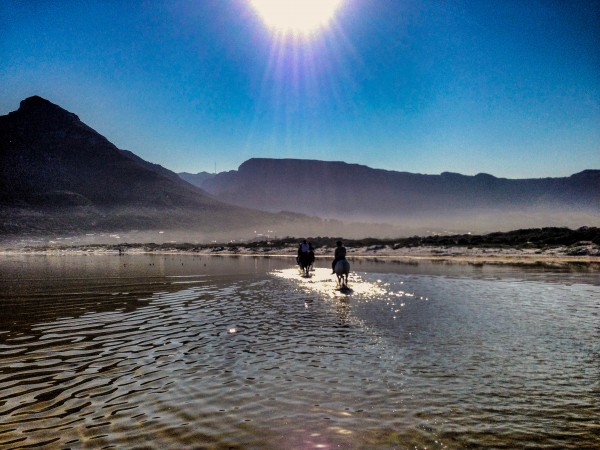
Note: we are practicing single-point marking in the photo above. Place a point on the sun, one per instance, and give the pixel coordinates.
(297, 17)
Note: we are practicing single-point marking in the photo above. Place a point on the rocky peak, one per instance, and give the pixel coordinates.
(40, 109)
(36, 101)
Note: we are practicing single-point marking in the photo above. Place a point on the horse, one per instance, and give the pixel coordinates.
(342, 269)
(305, 261)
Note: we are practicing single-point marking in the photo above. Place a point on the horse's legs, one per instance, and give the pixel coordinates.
(305, 271)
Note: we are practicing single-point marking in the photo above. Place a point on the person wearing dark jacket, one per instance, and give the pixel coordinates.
(340, 253)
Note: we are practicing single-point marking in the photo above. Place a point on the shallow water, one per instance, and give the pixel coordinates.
(178, 351)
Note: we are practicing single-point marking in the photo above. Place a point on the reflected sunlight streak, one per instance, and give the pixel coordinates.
(324, 283)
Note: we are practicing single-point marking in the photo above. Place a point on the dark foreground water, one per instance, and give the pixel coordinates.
(224, 352)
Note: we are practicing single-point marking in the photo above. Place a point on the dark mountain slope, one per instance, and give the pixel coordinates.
(47, 152)
(56, 173)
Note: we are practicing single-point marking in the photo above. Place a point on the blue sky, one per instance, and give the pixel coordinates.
(510, 88)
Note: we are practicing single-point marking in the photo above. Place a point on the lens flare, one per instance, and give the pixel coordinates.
(297, 17)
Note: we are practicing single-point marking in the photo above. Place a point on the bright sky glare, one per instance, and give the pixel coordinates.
(300, 17)
(510, 88)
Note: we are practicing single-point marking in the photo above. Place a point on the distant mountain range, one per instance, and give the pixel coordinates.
(355, 192)
(58, 175)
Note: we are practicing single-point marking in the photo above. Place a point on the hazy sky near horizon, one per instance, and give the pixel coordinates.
(511, 87)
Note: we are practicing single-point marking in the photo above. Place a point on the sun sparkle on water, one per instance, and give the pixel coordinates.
(321, 281)
(298, 17)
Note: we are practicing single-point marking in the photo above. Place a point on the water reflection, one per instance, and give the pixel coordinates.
(46, 288)
(171, 352)
(323, 283)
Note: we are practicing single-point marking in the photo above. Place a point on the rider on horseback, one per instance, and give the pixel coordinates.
(303, 249)
(340, 253)
(306, 256)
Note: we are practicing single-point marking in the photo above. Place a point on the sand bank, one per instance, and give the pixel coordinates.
(553, 257)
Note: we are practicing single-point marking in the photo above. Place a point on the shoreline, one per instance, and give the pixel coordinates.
(556, 257)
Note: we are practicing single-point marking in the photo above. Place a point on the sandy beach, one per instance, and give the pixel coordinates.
(586, 255)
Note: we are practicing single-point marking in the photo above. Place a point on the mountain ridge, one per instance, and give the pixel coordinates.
(352, 191)
(57, 174)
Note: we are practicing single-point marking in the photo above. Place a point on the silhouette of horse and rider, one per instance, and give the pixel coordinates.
(306, 257)
(339, 267)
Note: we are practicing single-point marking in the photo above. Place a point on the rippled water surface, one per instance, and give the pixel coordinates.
(170, 351)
